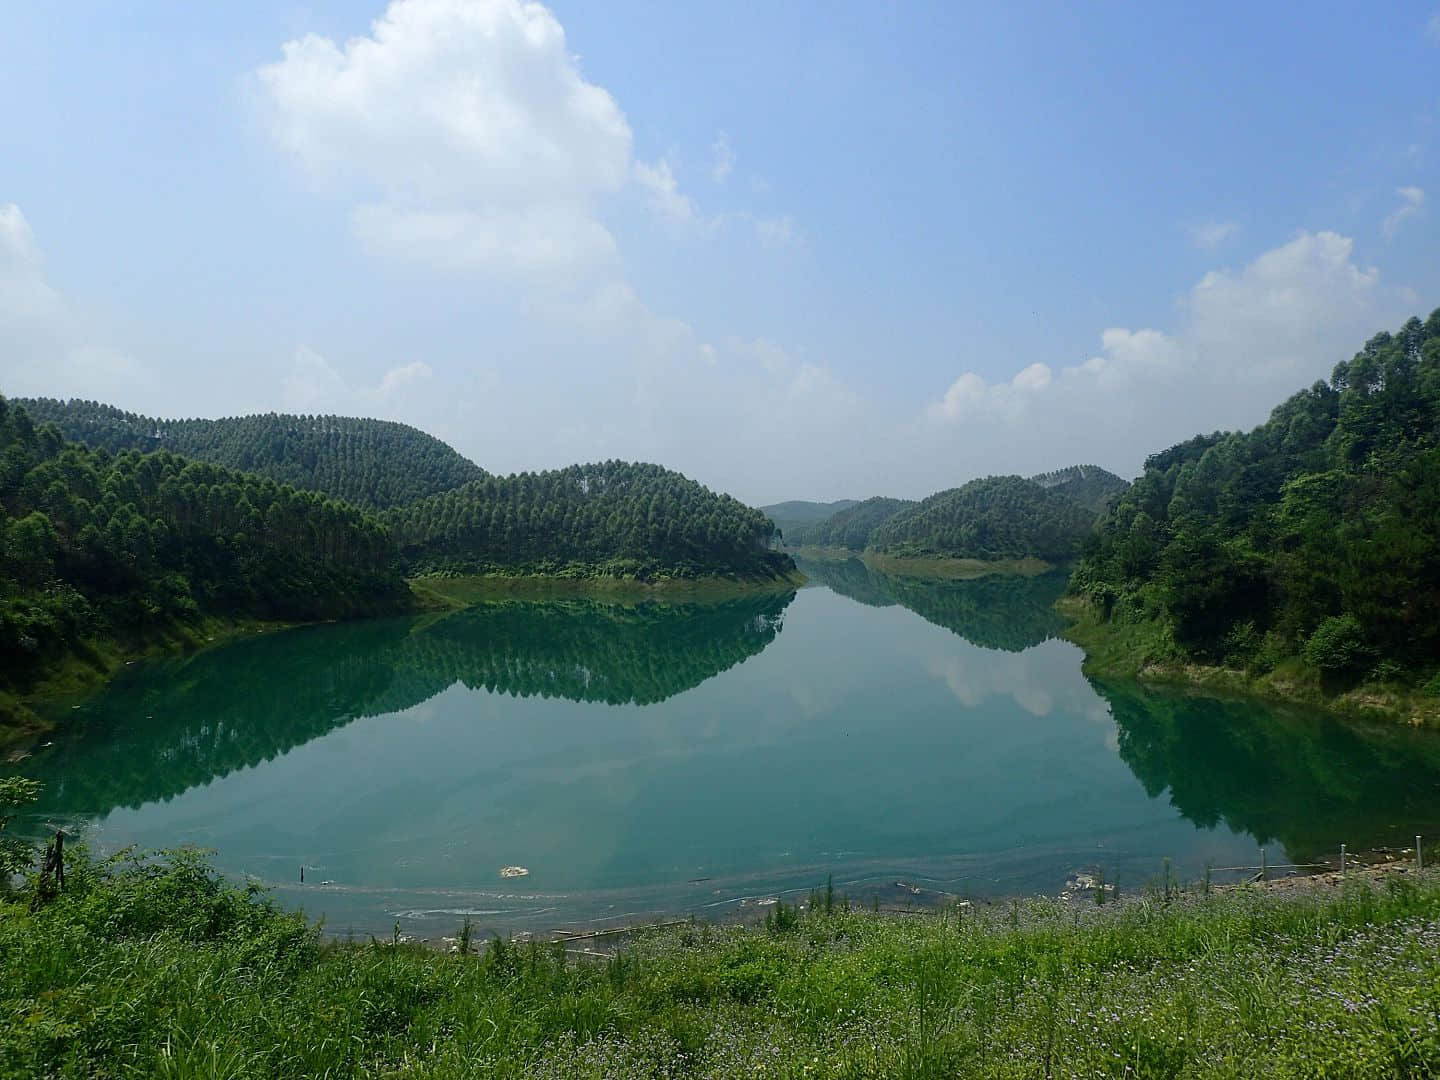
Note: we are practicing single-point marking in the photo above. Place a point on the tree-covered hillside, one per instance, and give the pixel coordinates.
(849, 528)
(96, 545)
(609, 519)
(998, 517)
(372, 463)
(1316, 534)
(1089, 485)
(798, 512)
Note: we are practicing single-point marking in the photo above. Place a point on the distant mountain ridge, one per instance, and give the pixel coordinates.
(850, 528)
(799, 512)
(1046, 516)
(374, 464)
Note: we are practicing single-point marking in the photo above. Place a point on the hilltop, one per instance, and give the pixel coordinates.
(1089, 485)
(374, 464)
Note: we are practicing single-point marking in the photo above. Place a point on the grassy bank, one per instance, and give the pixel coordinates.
(928, 566)
(157, 968)
(1142, 650)
(449, 591)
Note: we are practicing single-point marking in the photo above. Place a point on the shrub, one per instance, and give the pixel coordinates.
(1338, 646)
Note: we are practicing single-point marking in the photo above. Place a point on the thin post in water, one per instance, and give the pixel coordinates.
(1419, 859)
(1342, 860)
(1264, 867)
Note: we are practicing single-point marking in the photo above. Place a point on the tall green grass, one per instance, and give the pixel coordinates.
(155, 966)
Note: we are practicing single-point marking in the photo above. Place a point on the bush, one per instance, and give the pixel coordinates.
(1338, 646)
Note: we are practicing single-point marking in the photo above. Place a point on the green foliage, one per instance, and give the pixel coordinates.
(1324, 518)
(373, 464)
(16, 856)
(155, 967)
(97, 545)
(1338, 646)
(848, 528)
(998, 517)
(612, 519)
(1089, 485)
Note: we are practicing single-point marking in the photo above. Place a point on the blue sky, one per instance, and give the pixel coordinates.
(794, 250)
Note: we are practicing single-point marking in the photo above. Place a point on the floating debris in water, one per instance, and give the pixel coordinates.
(513, 871)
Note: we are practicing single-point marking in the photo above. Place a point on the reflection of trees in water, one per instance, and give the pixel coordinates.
(185, 723)
(998, 611)
(1309, 781)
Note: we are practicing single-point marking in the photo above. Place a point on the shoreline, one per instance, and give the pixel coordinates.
(1118, 651)
(938, 567)
(81, 674)
(450, 593)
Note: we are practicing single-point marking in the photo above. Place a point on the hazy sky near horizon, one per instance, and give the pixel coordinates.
(794, 250)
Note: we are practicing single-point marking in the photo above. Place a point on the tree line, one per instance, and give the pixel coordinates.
(1315, 535)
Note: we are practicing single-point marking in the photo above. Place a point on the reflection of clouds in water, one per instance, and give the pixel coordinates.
(973, 677)
(1099, 715)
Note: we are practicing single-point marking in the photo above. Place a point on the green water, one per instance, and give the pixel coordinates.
(656, 759)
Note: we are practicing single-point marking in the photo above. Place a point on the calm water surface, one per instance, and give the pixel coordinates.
(652, 759)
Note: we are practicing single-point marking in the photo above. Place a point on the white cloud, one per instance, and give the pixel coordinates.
(722, 158)
(1211, 235)
(314, 385)
(397, 378)
(455, 123)
(24, 294)
(1412, 198)
(45, 345)
(660, 187)
(1245, 340)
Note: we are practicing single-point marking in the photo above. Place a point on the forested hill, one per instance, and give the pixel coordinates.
(374, 464)
(998, 517)
(97, 545)
(798, 512)
(608, 519)
(849, 528)
(1317, 534)
(1089, 485)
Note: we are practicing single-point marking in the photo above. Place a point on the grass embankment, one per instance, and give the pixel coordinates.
(161, 969)
(449, 591)
(1143, 651)
(933, 566)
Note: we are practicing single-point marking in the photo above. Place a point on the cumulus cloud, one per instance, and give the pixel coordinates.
(1245, 339)
(1209, 236)
(1411, 199)
(45, 344)
(455, 123)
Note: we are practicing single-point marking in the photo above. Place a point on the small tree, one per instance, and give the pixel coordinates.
(1338, 646)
